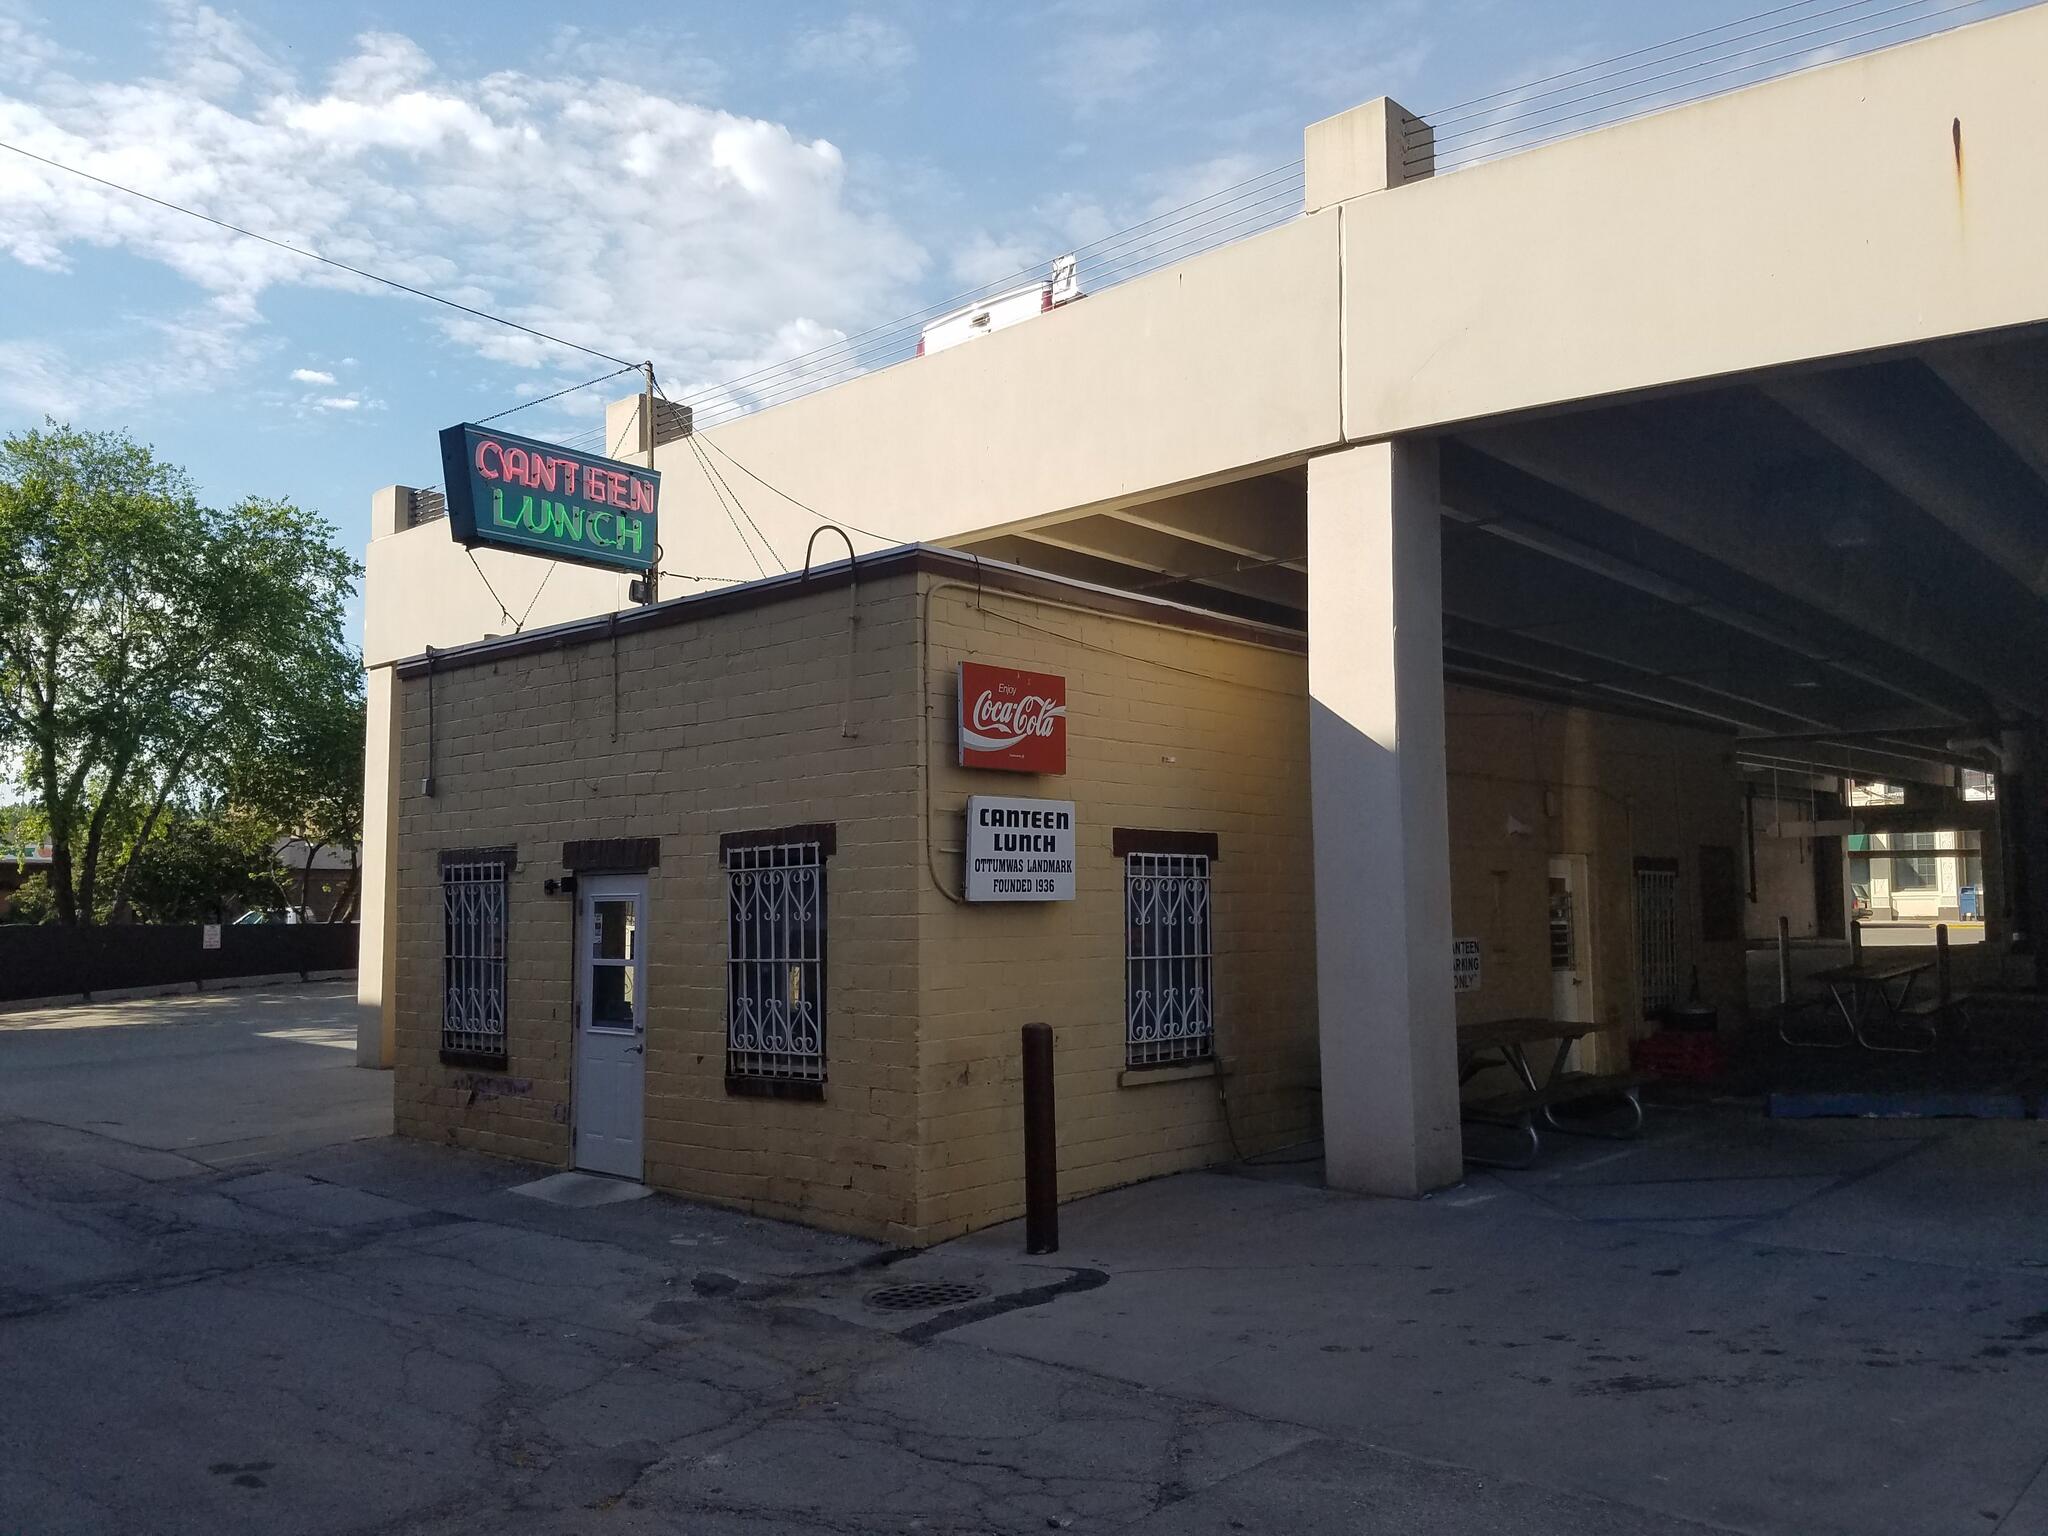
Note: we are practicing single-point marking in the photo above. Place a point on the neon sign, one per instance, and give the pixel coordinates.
(540, 499)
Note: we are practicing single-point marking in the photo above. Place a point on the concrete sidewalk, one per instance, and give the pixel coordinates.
(1759, 1326)
(219, 1076)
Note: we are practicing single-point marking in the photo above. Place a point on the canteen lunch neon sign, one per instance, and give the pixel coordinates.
(516, 493)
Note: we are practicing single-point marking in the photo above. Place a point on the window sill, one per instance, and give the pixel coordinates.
(774, 1088)
(1180, 1072)
(475, 1059)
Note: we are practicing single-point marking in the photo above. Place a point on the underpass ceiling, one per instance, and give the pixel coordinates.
(1857, 554)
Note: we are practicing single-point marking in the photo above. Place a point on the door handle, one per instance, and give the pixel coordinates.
(637, 1050)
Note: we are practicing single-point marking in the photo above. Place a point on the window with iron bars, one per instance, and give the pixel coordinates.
(1657, 960)
(1169, 1009)
(473, 892)
(775, 959)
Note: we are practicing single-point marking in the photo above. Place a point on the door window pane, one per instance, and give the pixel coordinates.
(613, 938)
(611, 996)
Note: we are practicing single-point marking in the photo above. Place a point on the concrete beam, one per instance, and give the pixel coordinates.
(1674, 477)
(2007, 387)
(1264, 519)
(1623, 678)
(1471, 499)
(1168, 555)
(1030, 551)
(2001, 517)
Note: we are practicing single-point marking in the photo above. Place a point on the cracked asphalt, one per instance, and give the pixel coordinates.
(229, 1302)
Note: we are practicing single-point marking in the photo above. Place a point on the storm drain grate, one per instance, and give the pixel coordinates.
(924, 1296)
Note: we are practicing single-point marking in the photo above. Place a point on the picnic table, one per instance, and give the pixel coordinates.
(1506, 1042)
(1863, 991)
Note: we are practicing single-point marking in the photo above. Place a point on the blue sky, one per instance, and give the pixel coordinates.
(714, 186)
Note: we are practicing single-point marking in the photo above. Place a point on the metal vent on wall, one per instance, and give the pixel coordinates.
(424, 507)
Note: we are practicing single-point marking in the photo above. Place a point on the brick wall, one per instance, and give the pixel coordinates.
(785, 713)
(1530, 779)
(1166, 730)
(727, 725)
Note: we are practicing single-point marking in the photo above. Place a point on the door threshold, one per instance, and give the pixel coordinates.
(579, 1188)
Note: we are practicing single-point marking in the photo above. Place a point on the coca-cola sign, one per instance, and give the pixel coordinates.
(1011, 719)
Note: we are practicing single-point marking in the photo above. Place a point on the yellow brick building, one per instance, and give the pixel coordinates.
(667, 751)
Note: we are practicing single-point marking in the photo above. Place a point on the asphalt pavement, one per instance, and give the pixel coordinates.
(230, 1303)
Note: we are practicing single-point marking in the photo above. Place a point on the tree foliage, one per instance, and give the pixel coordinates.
(158, 655)
(206, 869)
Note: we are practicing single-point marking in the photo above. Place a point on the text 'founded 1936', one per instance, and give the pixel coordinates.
(1019, 850)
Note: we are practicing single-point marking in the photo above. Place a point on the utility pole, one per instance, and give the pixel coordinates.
(653, 587)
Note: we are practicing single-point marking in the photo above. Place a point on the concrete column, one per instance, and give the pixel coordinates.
(1382, 832)
(1367, 149)
(377, 957)
(2023, 810)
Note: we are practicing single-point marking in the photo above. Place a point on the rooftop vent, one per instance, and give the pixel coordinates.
(424, 507)
(672, 423)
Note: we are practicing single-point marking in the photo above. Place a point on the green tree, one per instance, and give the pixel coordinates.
(307, 783)
(149, 645)
(206, 869)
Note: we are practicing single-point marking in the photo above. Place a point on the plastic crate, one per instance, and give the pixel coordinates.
(1679, 1056)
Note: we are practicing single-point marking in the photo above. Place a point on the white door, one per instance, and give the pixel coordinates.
(1571, 998)
(611, 1023)
(1571, 954)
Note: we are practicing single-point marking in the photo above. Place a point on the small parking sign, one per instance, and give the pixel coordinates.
(1464, 965)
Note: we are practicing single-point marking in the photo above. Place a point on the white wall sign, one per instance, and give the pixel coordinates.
(1464, 965)
(209, 936)
(1019, 850)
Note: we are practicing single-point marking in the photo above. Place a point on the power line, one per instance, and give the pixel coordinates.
(1513, 90)
(1476, 150)
(1488, 135)
(738, 532)
(299, 250)
(544, 399)
(890, 343)
(803, 506)
(711, 470)
(1441, 123)
(730, 581)
(542, 587)
(1107, 242)
(507, 612)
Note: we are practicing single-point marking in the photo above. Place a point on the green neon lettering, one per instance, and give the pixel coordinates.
(498, 508)
(599, 536)
(629, 528)
(565, 520)
(533, 519)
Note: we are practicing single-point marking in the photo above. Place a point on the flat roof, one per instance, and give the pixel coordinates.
(928, 559)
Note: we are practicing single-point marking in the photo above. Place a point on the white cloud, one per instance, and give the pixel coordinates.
(353, 403)
(25, 54)
(312, 376)
(636, 222)
(985, 259)
(36, 380)
(1095, 69)
(213, 56)
(129, 361)
(860, 47)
